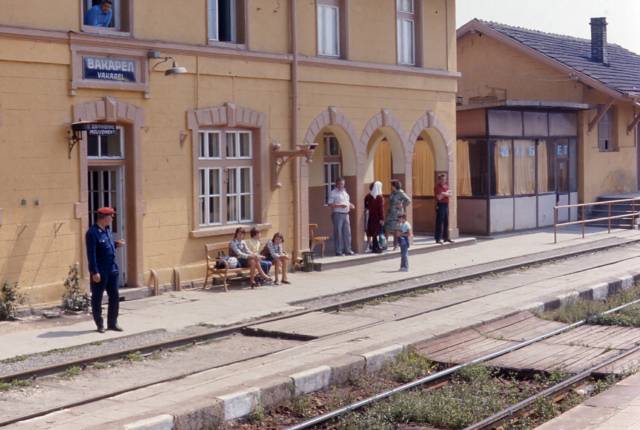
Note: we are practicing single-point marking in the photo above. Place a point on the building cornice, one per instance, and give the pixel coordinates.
(81, 39)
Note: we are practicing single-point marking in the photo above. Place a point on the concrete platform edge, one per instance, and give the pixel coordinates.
(339, 369)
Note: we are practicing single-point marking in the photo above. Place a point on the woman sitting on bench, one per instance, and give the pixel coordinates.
(275, 253)
(246, 259)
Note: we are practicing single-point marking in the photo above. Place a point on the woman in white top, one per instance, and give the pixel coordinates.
(279, 258)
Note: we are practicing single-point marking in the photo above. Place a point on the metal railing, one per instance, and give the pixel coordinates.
(633, 214)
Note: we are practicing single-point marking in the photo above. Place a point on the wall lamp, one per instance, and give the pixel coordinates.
(173, 70)
(280, 157)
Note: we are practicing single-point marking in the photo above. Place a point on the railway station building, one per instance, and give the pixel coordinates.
(194, 117)
(543, 120)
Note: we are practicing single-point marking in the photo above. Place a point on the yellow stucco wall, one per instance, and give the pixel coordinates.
(490, 68)
(39, 241)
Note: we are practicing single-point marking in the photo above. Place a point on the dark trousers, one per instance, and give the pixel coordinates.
(108, 282)
(442, 221)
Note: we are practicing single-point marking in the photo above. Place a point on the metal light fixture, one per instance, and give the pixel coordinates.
(173, 70)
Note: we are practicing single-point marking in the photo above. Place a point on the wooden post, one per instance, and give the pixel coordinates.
(609, 217)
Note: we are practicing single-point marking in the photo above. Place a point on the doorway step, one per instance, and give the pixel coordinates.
(421, 245)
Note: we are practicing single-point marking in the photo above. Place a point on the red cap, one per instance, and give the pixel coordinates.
(106, 211)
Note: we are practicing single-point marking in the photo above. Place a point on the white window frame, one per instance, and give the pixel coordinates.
(226, 165)
(204, 140)
(238, 194)
(406, 16)
(322, 29)
(213, 27)
(120, 131)
(237, 134)
(328, 181)
(206, 197)
(327, 146)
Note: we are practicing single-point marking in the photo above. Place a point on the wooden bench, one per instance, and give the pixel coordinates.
(316, 240)
(217, 266)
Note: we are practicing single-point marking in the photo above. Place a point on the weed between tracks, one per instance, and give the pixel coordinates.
(579, 309)
(472, 394)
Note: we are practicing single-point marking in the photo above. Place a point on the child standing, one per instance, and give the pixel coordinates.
(404, 230)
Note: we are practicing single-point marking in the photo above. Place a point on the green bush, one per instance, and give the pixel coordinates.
(75, 298)
(10, 298)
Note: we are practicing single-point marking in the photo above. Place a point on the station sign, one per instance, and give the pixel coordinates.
(95, 129)
(109, 69)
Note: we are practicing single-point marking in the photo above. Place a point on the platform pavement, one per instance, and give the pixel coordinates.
(203, 399)
(615, 409)
(177, 310)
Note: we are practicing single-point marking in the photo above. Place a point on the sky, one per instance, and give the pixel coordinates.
(570, 17)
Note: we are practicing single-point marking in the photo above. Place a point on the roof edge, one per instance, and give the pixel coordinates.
(475, 25)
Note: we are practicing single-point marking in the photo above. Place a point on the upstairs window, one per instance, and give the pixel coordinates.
(106, 15)
(606, 132)
(406, 28)
(329, 28)
(227, 21)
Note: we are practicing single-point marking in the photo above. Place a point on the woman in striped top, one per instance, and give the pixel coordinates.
(279, 258)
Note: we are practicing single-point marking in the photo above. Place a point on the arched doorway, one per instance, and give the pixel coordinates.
(386, 154)
(432, 155)
(335, 156)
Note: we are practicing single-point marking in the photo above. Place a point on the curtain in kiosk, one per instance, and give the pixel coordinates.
(382, 166)
(463, 169)
(525, 166)
(423, 169)
(503, 167)
(543, 168)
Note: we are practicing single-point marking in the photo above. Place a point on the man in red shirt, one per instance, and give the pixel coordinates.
(442, 195)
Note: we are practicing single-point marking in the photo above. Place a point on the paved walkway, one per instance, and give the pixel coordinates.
(312, 365)
(177, 310)
(615, 409)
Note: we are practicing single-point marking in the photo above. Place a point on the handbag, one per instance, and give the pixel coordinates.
(382, 239)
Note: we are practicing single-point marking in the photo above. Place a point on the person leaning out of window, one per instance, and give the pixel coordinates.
(275, 253)
(100, 15)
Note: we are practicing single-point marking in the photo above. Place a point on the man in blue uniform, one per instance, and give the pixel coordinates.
(101, 253)
(99, 15)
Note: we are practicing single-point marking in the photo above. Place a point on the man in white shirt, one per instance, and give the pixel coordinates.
(341, 204)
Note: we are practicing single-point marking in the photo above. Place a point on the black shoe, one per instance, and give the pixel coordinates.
(439, 242)
(100, 329)
(115, 328)
(449, 241)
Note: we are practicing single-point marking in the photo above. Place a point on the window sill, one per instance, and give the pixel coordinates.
(228, 45)
(89, 29)
(226, 230)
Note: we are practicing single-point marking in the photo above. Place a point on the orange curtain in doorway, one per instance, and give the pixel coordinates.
(543, 167)
(423, 169)
(463, 168)
(503, 167)
(525, 165)
(382, 166)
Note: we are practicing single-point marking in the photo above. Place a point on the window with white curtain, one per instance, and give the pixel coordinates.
(328, 28)
(406, 28)
(226, 20)
(225, 177)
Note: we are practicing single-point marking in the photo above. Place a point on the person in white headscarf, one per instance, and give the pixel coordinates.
(374, 207)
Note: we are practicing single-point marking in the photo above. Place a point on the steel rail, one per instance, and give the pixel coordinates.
(513, 409)
(444, 373)
(238, 328)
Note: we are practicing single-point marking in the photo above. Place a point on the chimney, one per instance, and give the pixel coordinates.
(599, 40)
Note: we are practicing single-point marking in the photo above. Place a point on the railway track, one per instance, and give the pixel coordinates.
(493, 420)
(415, 284)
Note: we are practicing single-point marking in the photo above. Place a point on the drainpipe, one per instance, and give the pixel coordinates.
(297, 222)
